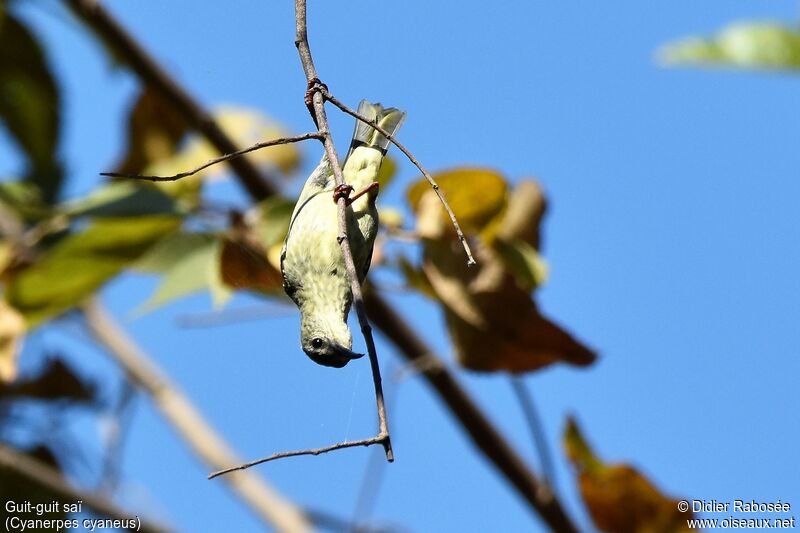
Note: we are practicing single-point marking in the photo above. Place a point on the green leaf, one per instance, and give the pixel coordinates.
(81, 263)
(762, 45)
(476, 195)
(24, 198)
(29, 103)
(190, 263)
(122, 199)
(12, 329)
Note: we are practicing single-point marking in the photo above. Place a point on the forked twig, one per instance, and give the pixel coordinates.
(435, 186)
(220, 159)
(316, 104)
(379, 439)
(317, 101)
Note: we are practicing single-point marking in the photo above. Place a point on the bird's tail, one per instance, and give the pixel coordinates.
(365, 135)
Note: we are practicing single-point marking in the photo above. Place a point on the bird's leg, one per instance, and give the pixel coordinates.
(345, 190)
(374, 186)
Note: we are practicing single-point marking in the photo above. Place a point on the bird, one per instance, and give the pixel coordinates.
(312, 264)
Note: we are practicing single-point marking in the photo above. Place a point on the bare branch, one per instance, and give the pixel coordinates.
(149, 71)
(483, 434)
(189, 423)
(46, 476)
(312, 451)
(435, 186)
(216, 160)
(321, 120)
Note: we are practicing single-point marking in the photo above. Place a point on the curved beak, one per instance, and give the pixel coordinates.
(339, 358)
(344, 353)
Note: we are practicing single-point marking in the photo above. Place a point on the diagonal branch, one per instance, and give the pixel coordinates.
(49, 478)
(483, 433)
(220, 159)
(435, 186)
(189, 423)
(149, 71)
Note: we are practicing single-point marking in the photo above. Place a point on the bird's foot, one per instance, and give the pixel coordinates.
(342, 191)
(314, 86)
(345, 190)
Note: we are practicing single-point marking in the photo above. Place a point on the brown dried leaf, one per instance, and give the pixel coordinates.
(619, 498)
(244, 264)
(56, 381)
(154, 130)
(492, 319)
(494, 324)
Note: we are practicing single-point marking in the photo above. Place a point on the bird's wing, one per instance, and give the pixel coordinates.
(320, 180)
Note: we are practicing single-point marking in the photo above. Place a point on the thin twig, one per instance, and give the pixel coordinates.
(189, 422)
(435, 186)
(483, 433)
(220, 159)
(321, 120)
(536, 427)
(311, 451)
(49, 478)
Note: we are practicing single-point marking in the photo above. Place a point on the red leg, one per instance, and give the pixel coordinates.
(374, 186)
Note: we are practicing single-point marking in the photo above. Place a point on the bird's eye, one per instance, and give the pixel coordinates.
(316, 343)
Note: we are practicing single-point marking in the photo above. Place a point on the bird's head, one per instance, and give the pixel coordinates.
(327, 342)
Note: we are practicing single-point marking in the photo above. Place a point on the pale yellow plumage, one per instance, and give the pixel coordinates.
(312, 261)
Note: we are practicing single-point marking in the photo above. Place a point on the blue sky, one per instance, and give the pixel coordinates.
(671, 238)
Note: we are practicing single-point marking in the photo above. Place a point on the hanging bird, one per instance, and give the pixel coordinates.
(312, 264)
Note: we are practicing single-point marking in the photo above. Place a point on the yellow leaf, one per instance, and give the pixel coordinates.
(475, 195)
(391, 219)
(12, 328)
